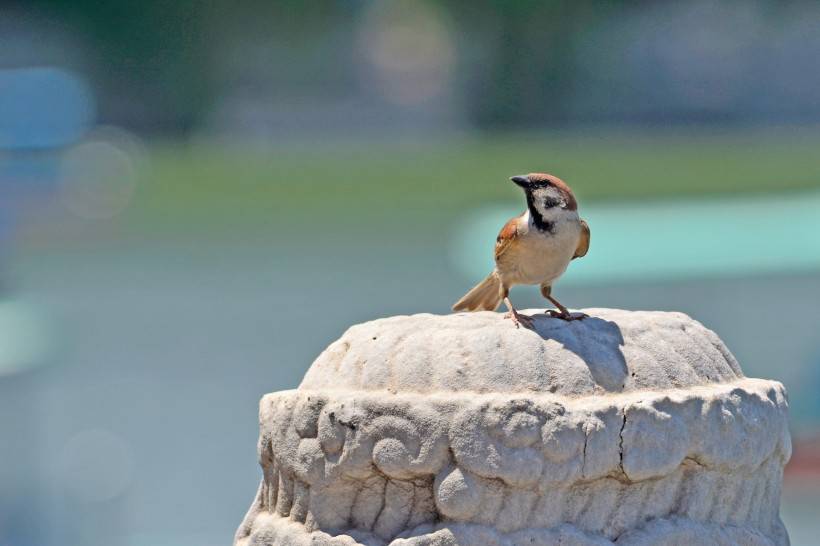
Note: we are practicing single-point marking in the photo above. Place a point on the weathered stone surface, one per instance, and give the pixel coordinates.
(463, 430)
(612, 351)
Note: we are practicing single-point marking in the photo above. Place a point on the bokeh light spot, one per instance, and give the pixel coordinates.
(98, 178)
(409, 50)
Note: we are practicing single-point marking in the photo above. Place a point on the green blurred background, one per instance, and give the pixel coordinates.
(195, 199)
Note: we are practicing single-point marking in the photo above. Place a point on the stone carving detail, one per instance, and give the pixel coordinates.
(688, 465)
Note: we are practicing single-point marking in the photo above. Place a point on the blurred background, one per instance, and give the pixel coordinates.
(196, 198)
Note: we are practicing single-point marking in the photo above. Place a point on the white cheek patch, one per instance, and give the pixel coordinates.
(542, 195)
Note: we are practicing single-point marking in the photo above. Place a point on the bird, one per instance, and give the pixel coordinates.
(533, 248)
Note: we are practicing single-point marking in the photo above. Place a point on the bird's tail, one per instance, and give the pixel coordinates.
(485, 296)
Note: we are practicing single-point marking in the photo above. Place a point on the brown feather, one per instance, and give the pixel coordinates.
(506, 236)
(485, 296)
(583, 243)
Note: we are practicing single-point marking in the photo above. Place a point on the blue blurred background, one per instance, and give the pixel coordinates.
(195, 199)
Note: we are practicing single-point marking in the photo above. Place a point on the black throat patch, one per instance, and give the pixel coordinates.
(538, 220)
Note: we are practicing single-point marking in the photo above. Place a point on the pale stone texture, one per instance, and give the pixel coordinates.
(457, 430)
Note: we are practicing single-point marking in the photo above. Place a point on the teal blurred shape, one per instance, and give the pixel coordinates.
(24, 339)
(43, 107)
(673, 239)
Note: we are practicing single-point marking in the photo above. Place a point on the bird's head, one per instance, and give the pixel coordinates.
(547, 195)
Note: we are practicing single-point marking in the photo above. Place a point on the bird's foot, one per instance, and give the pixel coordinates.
(566, 315)
(519, 319)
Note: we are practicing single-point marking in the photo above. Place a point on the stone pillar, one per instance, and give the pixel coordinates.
(425, 430)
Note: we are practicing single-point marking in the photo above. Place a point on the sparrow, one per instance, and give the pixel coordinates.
(535, 247)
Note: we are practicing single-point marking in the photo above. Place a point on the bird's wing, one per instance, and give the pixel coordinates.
(506, 236)
(583, 244)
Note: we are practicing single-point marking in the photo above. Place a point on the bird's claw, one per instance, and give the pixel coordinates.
(566, 315)
(520, 320)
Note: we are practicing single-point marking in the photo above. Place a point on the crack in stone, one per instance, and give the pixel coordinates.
(621, 442)
(696, 462)
(584, 453)
(384, 504)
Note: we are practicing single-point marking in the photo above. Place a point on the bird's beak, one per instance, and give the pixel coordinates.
(523, 181)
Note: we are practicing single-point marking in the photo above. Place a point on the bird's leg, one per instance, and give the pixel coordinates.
(517, 318)
(563, 312)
